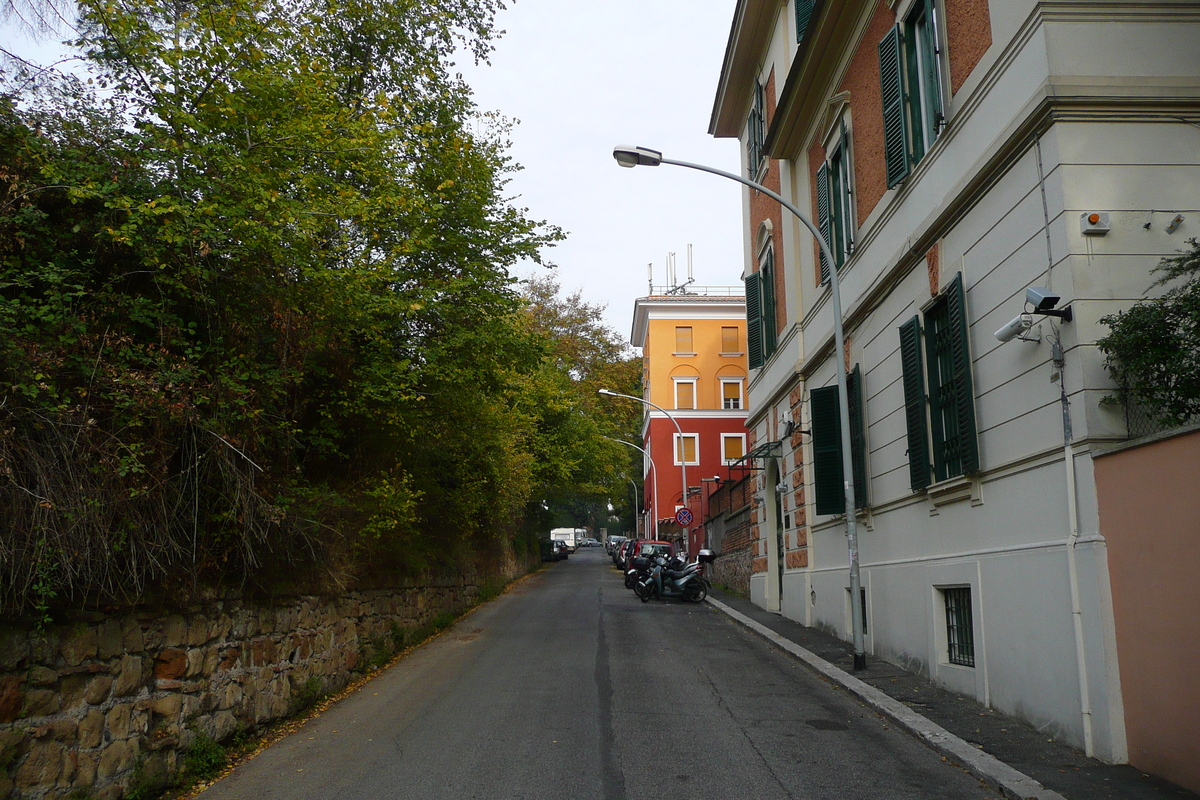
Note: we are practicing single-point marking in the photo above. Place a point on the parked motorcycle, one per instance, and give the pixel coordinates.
(671, 578)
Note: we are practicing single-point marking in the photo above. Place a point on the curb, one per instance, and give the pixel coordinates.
(989, 769)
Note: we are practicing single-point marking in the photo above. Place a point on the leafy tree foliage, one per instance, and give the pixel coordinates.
(1153, 350)
(255, 316)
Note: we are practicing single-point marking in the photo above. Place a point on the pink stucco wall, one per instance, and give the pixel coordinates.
(1149, 498)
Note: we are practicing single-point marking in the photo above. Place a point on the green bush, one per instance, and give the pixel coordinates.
(1153, 350)
(203, 759)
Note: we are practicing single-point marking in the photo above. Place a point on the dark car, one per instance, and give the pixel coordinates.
(549, 551)
(563, 549)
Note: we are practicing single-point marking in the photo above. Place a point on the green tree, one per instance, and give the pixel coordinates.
(254, 303)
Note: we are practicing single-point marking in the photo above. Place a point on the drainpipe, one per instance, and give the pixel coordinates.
(1085, 701)
(1059, 360)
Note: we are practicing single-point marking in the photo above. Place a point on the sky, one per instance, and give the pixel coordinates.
(578, 79)
(581, 78)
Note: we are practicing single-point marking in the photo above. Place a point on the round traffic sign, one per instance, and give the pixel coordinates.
(683, 516)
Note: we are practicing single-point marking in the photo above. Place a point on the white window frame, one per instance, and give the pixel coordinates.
(741, 398)
(695, 397)
(677, 448)
(729, 461)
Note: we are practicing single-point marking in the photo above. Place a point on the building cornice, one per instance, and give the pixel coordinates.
(682, 307)
(753, 26)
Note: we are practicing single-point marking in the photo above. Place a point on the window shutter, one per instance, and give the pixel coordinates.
(767, 275)
(964, 395)
(914, 403)
(827, 451)
(804, 9)
(754, 320)
(858, 438)
(824, 223)
(895, 135)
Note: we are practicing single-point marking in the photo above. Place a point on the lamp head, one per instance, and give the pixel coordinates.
(604, 392)
(630, 156)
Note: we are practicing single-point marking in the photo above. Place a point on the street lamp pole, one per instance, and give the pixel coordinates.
(653, 480)
(628, 156)
(683, 454)
(633, 508)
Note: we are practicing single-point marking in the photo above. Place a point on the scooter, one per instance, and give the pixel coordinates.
(687, 583)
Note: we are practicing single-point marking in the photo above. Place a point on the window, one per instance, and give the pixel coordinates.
(685, 393)
(828, 484)
(687, 448)
(909, 74)
(731, 393)
(760, 309)
(960, 634)
(729, 342)
(756, 131)
(804, 9)
(945, 418)
(835, 195)
(733, 447)
(683, 341)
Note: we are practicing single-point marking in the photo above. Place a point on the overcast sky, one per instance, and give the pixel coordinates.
(583, 77)
(580, 78)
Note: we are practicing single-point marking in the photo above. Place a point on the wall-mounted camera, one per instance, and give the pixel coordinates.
(1037, 301)
(1015, 327)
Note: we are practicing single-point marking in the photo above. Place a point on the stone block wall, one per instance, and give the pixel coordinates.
(86, 705)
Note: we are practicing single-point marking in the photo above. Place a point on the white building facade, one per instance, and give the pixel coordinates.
(958, 153)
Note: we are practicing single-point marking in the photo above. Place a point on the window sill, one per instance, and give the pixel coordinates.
(683, 355)
(954, 490)
(732, 355)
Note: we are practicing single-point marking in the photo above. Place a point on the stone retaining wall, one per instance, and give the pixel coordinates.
(96, 706)
(732, 570)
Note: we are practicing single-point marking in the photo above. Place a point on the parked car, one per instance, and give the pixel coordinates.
(563, 550)
(590, 542)
(549, 551)
(614, 542)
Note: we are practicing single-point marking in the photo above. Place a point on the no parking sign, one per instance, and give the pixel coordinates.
(684, 517)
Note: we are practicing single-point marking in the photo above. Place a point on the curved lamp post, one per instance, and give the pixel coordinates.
(682, 461)
(628, 156)
(654, 480)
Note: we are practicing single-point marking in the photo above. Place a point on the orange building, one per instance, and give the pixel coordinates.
(694, 368)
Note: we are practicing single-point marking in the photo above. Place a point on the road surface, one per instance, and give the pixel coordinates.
(568, 687)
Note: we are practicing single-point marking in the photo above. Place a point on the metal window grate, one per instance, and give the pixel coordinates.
(960, 636)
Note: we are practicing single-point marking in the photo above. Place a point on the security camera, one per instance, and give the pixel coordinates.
(1042, 300)
(1016, 326)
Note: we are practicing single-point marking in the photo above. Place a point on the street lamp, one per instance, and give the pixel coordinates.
(683, 455)
(654, 479)
(628, 156)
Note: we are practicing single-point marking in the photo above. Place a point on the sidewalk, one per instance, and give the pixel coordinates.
(1009, 755)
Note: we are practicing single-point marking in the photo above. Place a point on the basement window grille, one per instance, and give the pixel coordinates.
(960, 636)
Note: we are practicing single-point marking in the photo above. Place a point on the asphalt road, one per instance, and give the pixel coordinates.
(568, 687)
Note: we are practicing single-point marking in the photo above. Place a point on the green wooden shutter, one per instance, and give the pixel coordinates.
(824, 222)
(895, 135)
(804, 9)
(754, 340)
(827, 451)
(964, 395)
(914, 404)
(858, 438)
(767, 273)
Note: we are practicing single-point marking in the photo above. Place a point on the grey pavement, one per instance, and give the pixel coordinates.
(1009, 755)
